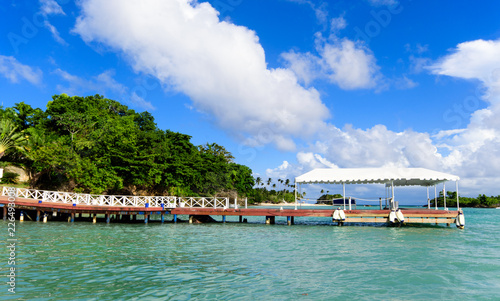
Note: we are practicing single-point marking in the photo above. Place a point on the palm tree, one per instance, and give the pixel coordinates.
(269, 182)
(258, 181)
(10, 137)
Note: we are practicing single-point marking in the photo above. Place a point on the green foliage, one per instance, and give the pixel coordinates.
(326, 197)
(9, 178)
(262, 195)
(482, 201)
(10, 136)
(97, 145)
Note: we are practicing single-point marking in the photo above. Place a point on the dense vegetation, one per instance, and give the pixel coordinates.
(481, 201)
(97, 145)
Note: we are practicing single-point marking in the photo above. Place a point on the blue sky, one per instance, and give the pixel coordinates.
(285, 85)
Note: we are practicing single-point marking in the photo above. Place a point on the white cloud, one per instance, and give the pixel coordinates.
(341, 61)
(349, 65)
(404, 83)
(305, 161)
(51, 7)
(337, 24)
(104, 84)
(472, 152)
(219, 65)
(478, 59)
(14, 71)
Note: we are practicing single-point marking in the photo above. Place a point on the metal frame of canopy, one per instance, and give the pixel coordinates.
(391, 177)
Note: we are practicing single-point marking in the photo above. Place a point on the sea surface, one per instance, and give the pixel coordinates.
(311, 260)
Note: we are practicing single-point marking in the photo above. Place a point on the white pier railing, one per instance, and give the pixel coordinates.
(118, 200)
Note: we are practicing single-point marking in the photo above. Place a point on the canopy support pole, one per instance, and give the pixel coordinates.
(435, 197)
(393, 201)
(343, 193)
(458, 201)
(444, 196)
(428, 200)
(295, 195)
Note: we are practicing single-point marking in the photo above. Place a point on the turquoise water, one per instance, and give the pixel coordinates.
(311, 260)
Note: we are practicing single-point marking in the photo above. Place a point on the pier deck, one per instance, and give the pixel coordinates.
(429, 216)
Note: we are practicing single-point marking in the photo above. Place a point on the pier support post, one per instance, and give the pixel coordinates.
(73, 217)
(175, 218)
(37, 215)
(134, 217)
(162, 217)
(224, 219)
(241, 218)
(108, 218)
(270, 220)
(292, 220)
(4, 213)
(289, 220)
(380, 202)
(146, 216)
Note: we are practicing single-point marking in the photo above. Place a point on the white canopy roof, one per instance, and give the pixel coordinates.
(400, 176)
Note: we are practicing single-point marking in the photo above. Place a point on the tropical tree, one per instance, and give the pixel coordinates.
(10, 137)
(258, 180)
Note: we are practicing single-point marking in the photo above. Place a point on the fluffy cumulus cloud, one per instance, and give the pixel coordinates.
(476, 149)
(219, 65)
(343, 62)
(15, 71)
(101, 84)
(472, 152)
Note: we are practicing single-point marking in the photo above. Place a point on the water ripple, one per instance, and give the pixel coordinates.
(312, 261)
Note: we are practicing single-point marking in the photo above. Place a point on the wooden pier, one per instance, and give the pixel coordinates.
(70, 209)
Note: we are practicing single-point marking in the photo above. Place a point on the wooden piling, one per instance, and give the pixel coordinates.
(270, 220)
(4, 212)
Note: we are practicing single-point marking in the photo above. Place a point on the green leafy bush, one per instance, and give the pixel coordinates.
(10, 178)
